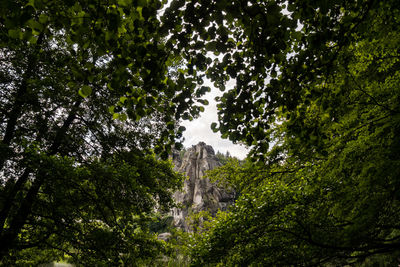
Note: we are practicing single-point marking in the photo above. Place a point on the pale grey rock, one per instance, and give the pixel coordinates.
(198, 193)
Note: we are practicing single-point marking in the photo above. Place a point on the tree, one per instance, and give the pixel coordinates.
(223, 158)
(318, 80)
(87, 95)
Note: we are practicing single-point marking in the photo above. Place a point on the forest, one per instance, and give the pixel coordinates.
(93, 94)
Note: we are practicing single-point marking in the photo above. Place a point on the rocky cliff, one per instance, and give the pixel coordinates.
(198, 193)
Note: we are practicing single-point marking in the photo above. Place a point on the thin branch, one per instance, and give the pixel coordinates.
(371, 97)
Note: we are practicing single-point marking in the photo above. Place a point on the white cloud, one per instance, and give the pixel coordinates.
(199, 130)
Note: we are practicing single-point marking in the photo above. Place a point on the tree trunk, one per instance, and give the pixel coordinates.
(20, 100)
(9, 234)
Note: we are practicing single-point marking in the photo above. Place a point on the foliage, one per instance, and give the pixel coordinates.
(198, 221)
(223, 158)
(161, 223)
(88, 92)
(93, 208)
(234, 174)
(321, 81)
(178, 253)
(89, 89)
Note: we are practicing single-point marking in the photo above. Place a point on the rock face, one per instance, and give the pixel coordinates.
(198, 193)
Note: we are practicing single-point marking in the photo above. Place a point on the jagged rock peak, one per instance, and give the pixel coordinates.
(200, 153)
(199, 193)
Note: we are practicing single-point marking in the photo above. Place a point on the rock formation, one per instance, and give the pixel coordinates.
(198, 193)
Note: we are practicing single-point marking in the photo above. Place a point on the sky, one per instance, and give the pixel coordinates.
(199, 130)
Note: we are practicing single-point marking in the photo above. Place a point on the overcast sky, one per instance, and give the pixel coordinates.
(199, 130)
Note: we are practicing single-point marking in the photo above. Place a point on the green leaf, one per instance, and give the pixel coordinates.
(27, 35)
(35, 26)
(33, 40)
(124, 3)
(211, 46)
(14, 33)
(85, 91)
(71, 84)
(122, 99)
(43, 18)
(214, 127)
(123, 117)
